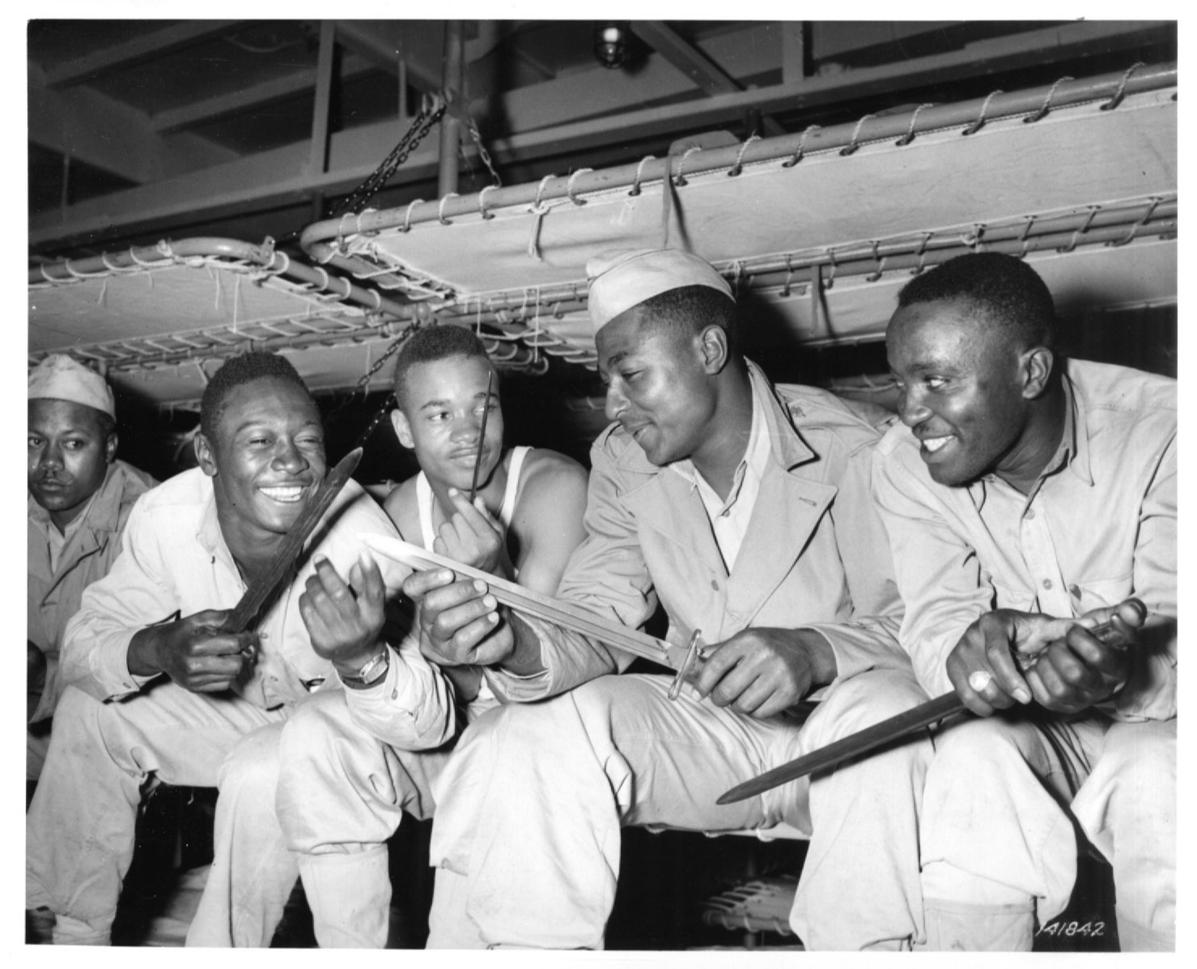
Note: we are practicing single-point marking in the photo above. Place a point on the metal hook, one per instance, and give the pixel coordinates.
(977, 125)
(680, 179)
(406, 227)
(1047, 101)
(739, 165)
(1120, 93)
(639, 171)
(907, 138)
(800, 151)
(569, 186)
(852, 145)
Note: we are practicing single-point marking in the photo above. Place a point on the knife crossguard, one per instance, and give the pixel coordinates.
(694, 653)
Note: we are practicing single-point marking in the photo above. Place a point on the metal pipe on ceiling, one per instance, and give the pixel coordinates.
(453, 84)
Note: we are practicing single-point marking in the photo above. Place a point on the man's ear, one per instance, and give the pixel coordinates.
(1037, 364)
(110, 444)
(205, 455)
(402, 428)
(712, 342)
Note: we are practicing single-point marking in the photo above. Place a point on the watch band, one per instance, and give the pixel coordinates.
(371, 671)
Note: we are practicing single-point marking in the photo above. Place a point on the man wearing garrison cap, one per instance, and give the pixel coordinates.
(743, 509)
(79, 498)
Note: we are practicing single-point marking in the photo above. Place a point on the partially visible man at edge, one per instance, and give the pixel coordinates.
(155, 691)
(80, 495)
(1027, 492)
(351, 763)
(744, 508)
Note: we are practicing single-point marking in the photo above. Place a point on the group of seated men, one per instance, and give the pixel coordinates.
(821, 549)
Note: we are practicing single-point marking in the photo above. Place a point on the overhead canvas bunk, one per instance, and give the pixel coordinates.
(158, 320)
(818, 230)
(824, 226)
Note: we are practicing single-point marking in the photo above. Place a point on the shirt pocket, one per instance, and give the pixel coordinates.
(1098, 593)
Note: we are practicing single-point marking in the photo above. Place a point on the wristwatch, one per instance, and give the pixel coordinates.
(370, 672)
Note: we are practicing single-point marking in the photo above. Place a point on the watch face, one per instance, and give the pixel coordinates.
(374, 669)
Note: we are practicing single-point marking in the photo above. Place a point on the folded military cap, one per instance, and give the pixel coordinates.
(624, 278)
(64, 378)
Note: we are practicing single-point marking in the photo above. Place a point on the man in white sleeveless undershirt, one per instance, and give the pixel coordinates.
(526, 517)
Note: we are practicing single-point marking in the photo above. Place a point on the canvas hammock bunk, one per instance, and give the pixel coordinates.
(824, 226)
(159, 319)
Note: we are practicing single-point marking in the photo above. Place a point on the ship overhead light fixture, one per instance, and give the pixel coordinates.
(611, 43)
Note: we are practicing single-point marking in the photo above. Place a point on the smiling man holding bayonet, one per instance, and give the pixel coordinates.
(742, 508)
(159, 687)
(1027, 499)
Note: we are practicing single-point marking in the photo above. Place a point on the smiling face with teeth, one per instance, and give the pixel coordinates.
(971, 395)
(266, 458)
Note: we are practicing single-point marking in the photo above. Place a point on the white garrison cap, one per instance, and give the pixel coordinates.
(625, 278)
(63, 378)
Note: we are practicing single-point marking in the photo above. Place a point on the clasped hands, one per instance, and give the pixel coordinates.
(1007, 657)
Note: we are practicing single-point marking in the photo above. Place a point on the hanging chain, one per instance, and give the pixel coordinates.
(423, 123)
(472, 126)
(364, 382)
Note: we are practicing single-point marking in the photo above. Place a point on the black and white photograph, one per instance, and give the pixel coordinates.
(703, 490)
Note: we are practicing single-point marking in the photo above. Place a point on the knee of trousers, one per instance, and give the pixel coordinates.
(312, 737)
(1142, 756)
(859, 701)
(518, 740)
(534, 730)
(251, 766)
(970, 744)
(77, 710)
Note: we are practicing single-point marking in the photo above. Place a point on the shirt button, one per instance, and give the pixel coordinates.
(1047, 583)
(714, 585)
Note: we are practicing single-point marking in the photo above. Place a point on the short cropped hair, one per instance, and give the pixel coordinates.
(241, 370)
(434, 343)
(1005, 289)
(688, 310)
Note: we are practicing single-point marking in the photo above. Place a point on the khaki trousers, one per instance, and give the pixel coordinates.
(527, 833)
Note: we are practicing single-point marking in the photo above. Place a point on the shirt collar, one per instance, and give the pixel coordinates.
(1076, 431)
(1072, 453)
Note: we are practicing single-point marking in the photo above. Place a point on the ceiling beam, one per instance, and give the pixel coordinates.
(794, 41)
(692, 62)
(140, 48)
(386, 42)
(110, 135)
(197, 112)
(687, 58)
